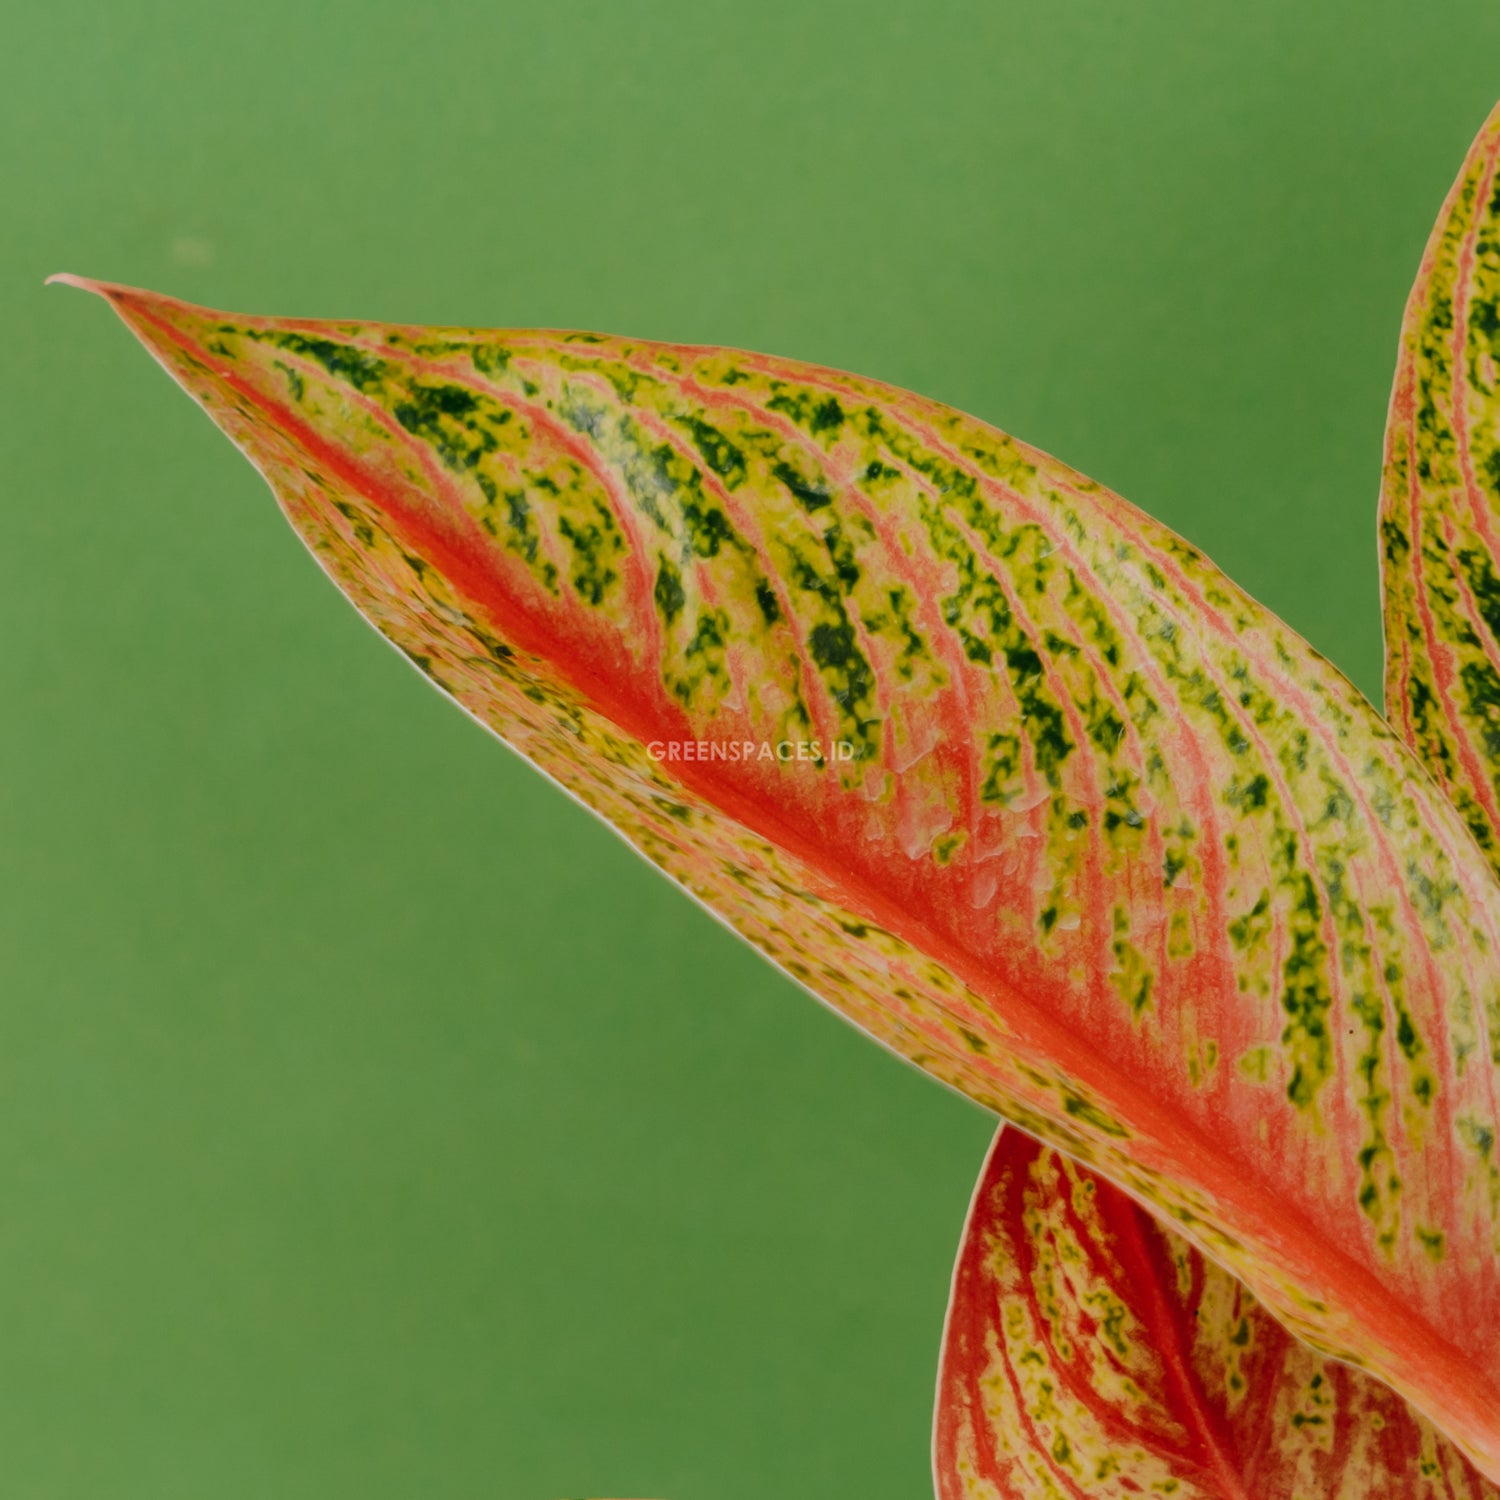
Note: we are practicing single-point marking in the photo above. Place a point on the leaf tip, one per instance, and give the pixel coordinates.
(67, 278)
(114, 292)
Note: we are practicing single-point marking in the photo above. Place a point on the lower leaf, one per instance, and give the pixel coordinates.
(1091, 1352)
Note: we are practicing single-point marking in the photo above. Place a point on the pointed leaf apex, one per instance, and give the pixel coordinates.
(83, 283)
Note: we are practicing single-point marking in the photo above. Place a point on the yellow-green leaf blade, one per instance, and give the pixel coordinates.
(1440, 502)
(1007, 773)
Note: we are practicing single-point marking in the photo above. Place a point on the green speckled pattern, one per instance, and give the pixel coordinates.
(1440, 502)
(1092, 1354)
(1007, 773)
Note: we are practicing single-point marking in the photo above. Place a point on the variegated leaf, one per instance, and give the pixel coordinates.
(1440, 502)
(1092, 1354)
(1006, 772)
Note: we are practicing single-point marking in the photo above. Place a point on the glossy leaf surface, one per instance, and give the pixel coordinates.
(1006, 772)
(1440, 502)
(1091, 1352)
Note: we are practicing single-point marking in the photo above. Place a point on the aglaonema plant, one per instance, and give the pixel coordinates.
(1019, 782)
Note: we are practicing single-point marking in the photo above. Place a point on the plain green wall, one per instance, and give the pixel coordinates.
(372, 1123)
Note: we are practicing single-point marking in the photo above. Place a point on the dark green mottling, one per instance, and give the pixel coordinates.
(669, 593)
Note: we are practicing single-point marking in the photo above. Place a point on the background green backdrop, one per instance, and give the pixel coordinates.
(372, 1123)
